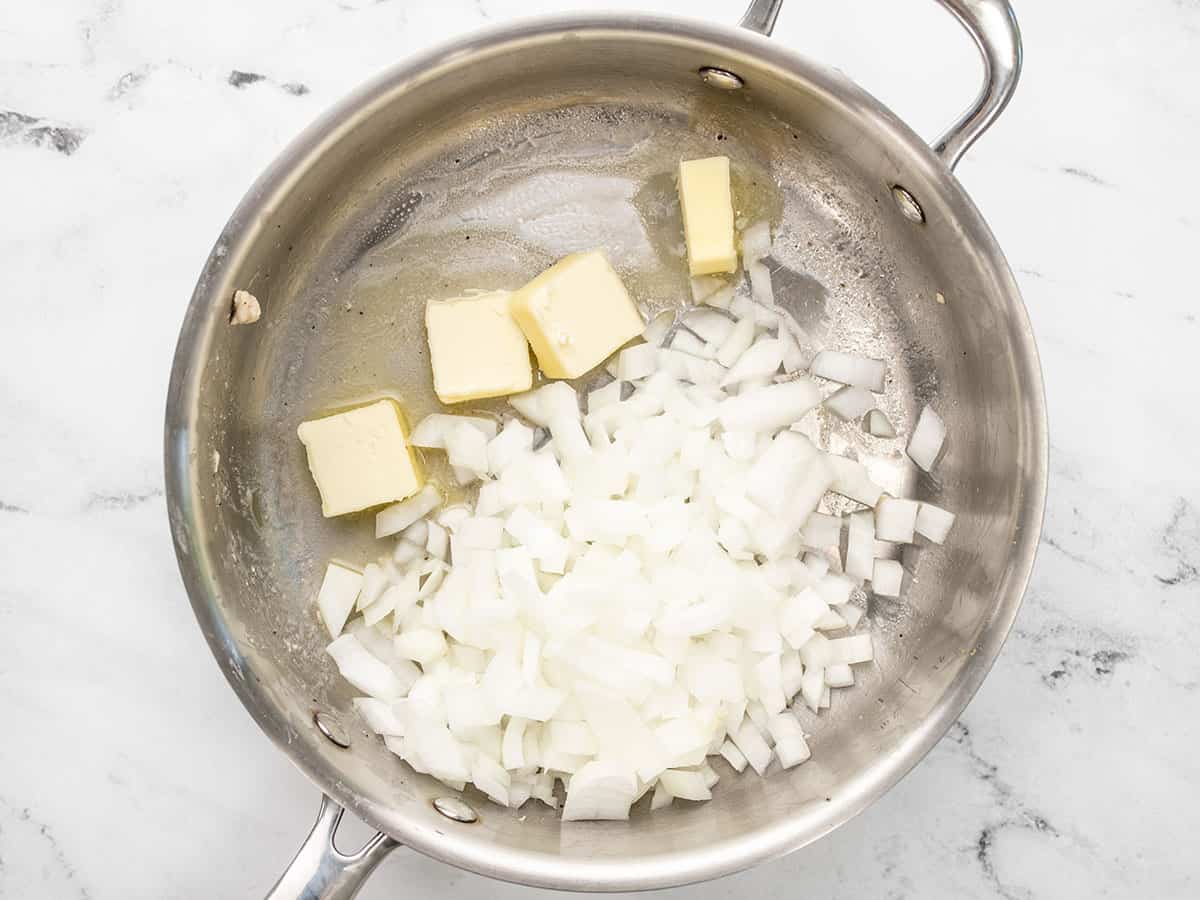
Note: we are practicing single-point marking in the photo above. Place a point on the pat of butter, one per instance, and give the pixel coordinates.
(576, 314)
(360, 458)
(476, 348)
(707, 205)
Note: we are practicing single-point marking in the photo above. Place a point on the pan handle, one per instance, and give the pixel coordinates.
(992, 26)
(320, 871)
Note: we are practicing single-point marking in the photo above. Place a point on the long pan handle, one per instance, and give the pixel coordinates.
(992, 26)
(320, 871)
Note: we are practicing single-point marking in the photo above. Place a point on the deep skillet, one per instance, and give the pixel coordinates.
(531, 141)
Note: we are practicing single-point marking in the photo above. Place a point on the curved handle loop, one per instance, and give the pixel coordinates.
(320, 871)
(992, 26)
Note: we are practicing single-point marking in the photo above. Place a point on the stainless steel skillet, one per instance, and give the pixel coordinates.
(477, 164)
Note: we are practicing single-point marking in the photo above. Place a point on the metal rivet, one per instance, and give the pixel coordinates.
(721, 78)
(455, 810)
(908, 203)
(331, 728)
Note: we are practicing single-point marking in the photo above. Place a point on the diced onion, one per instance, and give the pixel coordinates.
(850, 369)
(860, 546)
(927, 438)
(850, 403)
(432, 430)
(626, 593)
(756, 242)
(339, 592)
(887, 577)
(895, 520)
(395, 518)
(933, 522)
(879, 425)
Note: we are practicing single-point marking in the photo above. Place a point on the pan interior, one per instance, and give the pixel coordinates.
(456, 174)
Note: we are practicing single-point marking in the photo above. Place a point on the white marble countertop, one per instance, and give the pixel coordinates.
(127, 134)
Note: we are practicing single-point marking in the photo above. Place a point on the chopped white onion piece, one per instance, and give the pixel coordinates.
(635, 362)
(720, 299)
(851, 613)
(685, 342)
(657, 330)
(416, 533)
(600, 790)
(849, 650)
(927, 438)
(839, 675)
(431, 431)
(737, 342)
(438, 542)
(770, 408)
(466, 448)
(860, 545)
(570, 443)
(513, 441)
(762, 291)
(756, 242)
(704, 286)
(379, 716)
(879, 425)
(812, 685)
(608, 395)
(547, 402)
(790, 473)
(850, 369)
(685, 784)
(851, 480)
(790, 747)
(762, 359)
(793, 357)
(749, 740)
(850, 403)
(733, 756)
(887, 577)
(374, 580)
(709, 325)
(933, 522)
(895, 520)
(421, 645)
(662, 797)
(821, 530)
(363, 670)
(336, 598)
(395, 518)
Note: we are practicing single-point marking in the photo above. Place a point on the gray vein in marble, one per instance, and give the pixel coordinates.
(240, 79)
(12, 508)
(1098, 665)
(24, 816)
(122, 499)
(1181, 538)
(1085, 175)
(1014, 812)
(38, 132)
(128, 82)
(1076, 557)
(89, 25)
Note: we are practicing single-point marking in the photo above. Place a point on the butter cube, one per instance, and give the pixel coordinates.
(707, 205)
(476, 348)
(360, 458)
(576, 314)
